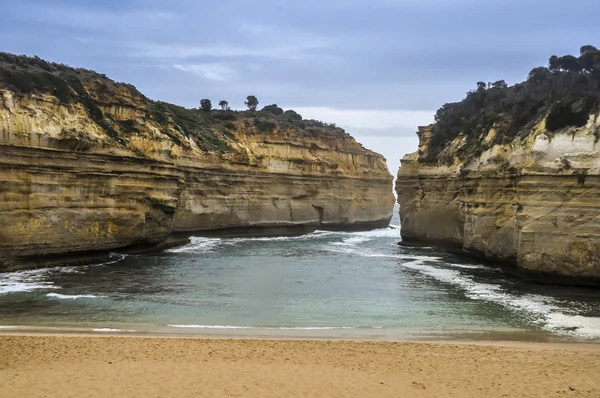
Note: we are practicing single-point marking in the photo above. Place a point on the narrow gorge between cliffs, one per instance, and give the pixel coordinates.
(124, 215)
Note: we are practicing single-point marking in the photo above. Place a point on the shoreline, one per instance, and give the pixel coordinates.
(99, 366)
(557, 343)
(309, 334)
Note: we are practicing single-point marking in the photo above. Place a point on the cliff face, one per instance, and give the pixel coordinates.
(511, 173)
(88, 166)
(532, 202)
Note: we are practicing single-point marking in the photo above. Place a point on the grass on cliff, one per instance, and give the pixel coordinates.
(210, 130)
(565, 93)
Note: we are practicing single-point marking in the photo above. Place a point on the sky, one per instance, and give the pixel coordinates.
(378, 68)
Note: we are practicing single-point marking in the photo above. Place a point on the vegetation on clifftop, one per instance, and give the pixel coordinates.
(565, 93)
(211, 129)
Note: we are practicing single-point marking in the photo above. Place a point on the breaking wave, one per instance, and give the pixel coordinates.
(197, 245)
(111, 330)
(72, 297)
(207, 245)
(24, 281)
(30, 280)
(544, 310)
(264, 328)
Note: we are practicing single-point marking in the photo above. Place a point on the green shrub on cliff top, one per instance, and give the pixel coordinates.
(566, 93)
(208, 128)
(205, 105)
(31, 75)
(274, 109)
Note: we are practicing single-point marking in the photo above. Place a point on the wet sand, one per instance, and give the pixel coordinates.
(116, 366)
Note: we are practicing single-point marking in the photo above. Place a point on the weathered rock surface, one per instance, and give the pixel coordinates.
(69, 190)
(533, 203)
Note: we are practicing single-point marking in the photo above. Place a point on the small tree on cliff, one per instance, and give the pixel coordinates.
(539, 74)
(588, 57)
(251, 102)
(205, 105)
(499, 84)
(568, 63)
(587, 48)
(224, 105)
(553, 63)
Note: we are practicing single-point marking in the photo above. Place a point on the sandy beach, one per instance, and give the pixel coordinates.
(114, 366)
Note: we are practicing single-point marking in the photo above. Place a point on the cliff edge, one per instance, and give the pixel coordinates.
(89, 166)
(512, 174)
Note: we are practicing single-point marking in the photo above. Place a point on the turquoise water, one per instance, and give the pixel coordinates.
(329, 284)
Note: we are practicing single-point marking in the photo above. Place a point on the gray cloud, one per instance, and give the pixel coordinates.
(368, 60)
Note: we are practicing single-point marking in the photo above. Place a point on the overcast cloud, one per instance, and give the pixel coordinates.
(378, 68)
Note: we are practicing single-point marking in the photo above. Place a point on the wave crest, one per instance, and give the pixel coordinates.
(72, 297)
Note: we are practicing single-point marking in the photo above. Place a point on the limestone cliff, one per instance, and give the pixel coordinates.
(530, 198)
(89, 166)
(535, 204)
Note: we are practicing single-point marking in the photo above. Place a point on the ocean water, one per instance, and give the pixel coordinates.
(324, 284)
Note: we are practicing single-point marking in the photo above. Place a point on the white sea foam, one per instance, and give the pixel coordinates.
(353, 241)
(320, 232)
(72, 270)
(113, 259)
(312, 235)
(198, 245)
(341, 249)
(576, 324)
(358, 238)
(367, 253)
(314, 328)
(209, 327)
(544, 310)
(27, 281)
(111, 330)
(24, 281)
(350, 238)
(262, 328)
(8, 327)
(71, 297)
(469, 266)
(381, 255)
(379, 233)
(422, 258)
(206, 245)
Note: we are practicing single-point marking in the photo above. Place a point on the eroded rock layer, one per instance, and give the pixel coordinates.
(75, 182)
(533, 203)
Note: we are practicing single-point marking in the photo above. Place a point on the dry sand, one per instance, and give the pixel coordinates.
(83, 366)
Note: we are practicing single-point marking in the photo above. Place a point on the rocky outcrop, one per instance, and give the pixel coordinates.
(533, 203)
(94, 167)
